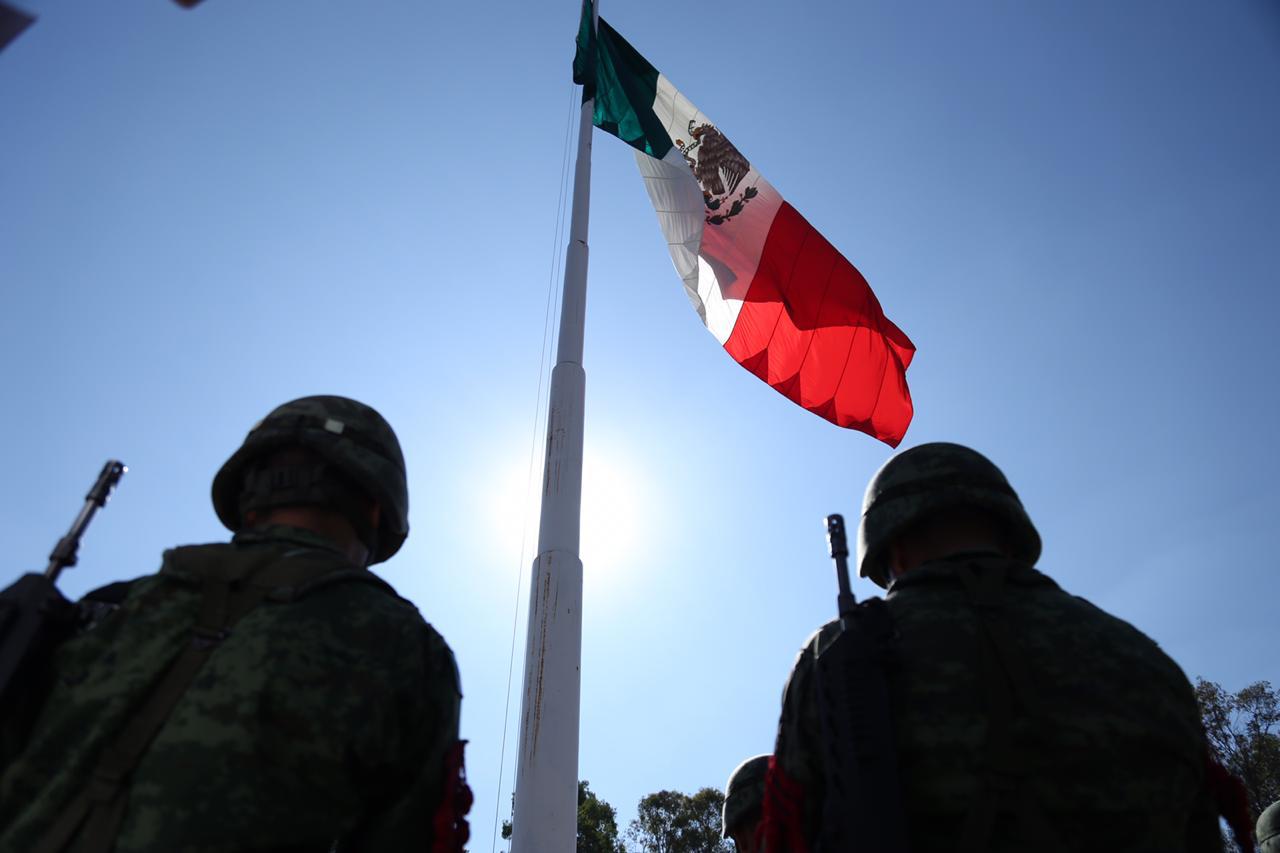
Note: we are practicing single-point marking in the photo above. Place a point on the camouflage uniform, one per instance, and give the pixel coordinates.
(327, 713)
(1024, 718)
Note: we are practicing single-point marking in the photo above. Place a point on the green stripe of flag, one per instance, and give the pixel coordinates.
(623, 84)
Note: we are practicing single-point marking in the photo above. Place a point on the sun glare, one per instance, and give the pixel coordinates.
(612, 509)
(611, 513)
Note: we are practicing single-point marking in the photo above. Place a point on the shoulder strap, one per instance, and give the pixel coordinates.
(233, 583)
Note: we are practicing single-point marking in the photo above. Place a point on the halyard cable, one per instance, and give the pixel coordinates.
(551, 310)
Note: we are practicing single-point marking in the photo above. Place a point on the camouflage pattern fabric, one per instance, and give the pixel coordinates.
(327, 717)
(347, 433)
(1269, 829)
(1111, 751)
(918, 482)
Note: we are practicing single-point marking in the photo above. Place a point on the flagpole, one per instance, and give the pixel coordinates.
(545, 814)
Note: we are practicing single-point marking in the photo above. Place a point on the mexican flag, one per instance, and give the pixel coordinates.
(781, 300)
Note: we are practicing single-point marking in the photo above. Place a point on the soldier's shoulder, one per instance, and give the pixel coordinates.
(806, 658)
(1062, 611)
(438, 666)
(1126, 642)
(362, 598)
(821, 639)
(102, 602)
(443, 664)
(1080, 640)
(375, 606)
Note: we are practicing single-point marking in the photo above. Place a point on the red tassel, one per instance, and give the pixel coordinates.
(1233, 802)
(783, 823)
(450, 820)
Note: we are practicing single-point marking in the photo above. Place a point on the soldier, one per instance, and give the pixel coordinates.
(744, 804)
(1021, 717)
(270, 694)
(1269, 829)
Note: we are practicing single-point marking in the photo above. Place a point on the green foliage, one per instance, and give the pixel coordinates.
(1244, 733)
(673, 822)
(597, 823)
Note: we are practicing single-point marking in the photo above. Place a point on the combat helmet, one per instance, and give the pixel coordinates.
(349, 436)
(1269, 829)
(743, 794)
(925, 479)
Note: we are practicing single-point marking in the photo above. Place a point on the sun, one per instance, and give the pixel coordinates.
(613, 501)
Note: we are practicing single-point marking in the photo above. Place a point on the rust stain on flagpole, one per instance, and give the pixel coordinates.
(534, 717)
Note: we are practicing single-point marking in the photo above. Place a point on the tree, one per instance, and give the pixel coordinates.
(597, 823)
(1244, 733)
(672, 822)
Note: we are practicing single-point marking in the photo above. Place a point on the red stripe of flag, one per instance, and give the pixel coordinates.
(811, 327)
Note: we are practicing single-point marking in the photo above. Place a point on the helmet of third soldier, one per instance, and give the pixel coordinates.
(931, 477)
(743, 794)
(1269, 829)
(347, 434)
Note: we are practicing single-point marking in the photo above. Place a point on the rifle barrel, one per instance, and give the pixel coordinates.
(838, 544)
(65, 552)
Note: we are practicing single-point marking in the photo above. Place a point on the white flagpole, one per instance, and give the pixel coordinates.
(545, 817)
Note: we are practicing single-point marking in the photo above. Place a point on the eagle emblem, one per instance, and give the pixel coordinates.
(719, 168)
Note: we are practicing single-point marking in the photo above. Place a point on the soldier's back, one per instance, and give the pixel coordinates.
(318, 710)
(1027, 718)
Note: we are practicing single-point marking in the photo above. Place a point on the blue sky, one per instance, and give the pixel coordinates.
(1072, 208)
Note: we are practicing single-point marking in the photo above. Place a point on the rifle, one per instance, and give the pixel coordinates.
(34, 616)
(862, 806)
